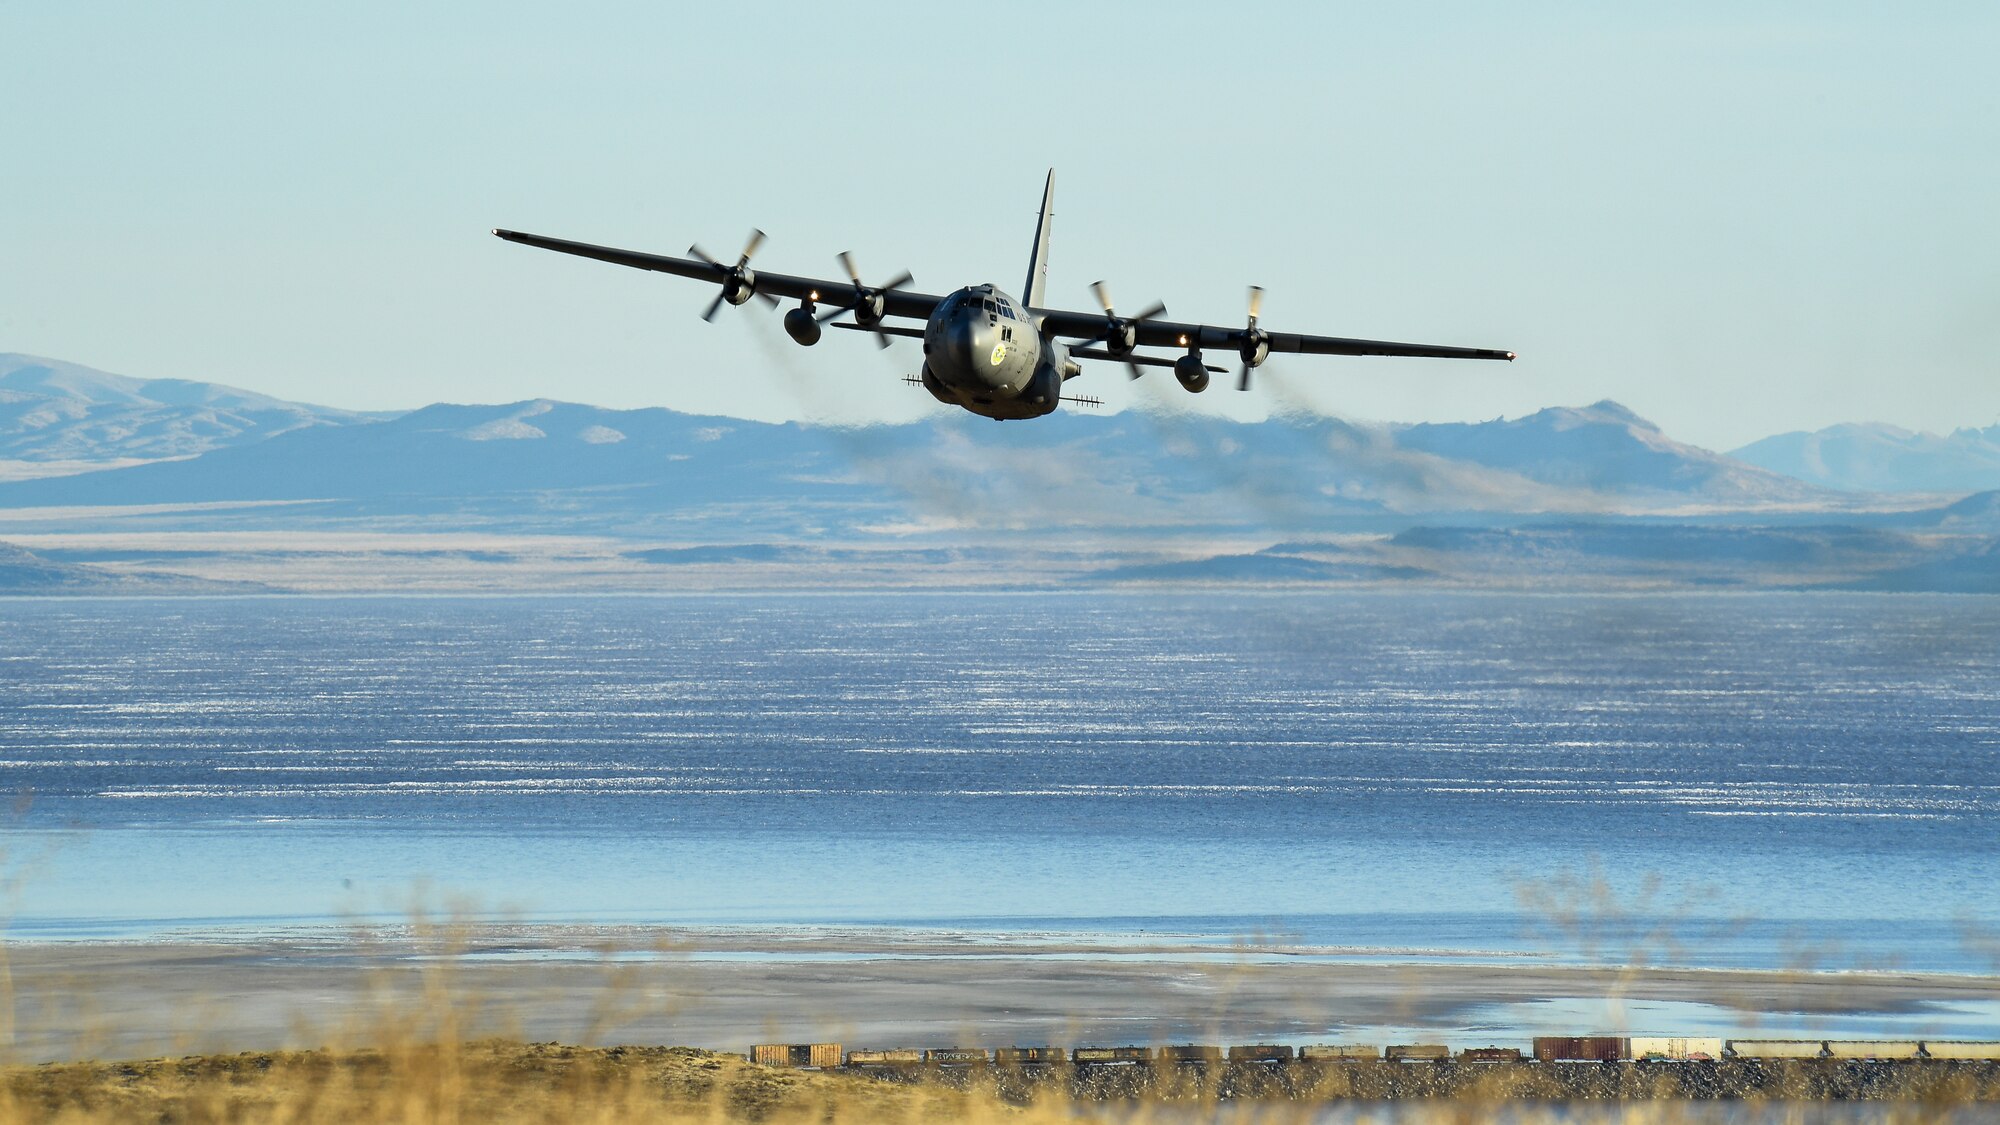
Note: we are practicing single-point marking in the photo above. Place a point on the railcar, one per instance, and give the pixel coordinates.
(901, 1056)
(1581, 1048)
(1961, 1049)
(822, 1055)
(1111, 1055)
(1260, 1053)
(1776, 1048)
(1339, 1052)
(1874, 1049)
(957, 1056)
(1021, 1056)
(1660, 1048)
(1189, 1054)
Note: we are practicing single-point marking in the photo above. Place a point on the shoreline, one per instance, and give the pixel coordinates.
(647, 984)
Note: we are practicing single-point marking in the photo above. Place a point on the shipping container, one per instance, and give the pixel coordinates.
(1111, 1055)
(1490, 1054)
(1419, 1052)
(1015, 1056)
(1777, 1048)
(796, 1054)
(1580, 1048)
(1262, 1052)
(956, 1056)
(1339, 1052)
(1873, 1049)
(1960, 1049)
(1190, 1053)
(899, 1057)
(1675, 1047)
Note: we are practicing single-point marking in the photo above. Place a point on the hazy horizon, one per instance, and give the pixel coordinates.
(1161, 404)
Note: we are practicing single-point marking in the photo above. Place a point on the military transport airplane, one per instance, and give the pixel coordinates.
(985, 351)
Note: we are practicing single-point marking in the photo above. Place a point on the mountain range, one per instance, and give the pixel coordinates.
(546, 465)
(1871, 457)
(56, 411)
(1593, 492)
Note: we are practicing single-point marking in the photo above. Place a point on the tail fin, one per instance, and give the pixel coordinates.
(1038, 266)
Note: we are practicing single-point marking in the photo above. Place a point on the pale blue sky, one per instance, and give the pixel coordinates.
(1737, 219)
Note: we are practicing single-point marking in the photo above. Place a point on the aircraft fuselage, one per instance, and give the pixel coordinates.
(982, 352)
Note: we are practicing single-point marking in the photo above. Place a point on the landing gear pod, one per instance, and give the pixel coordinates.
(1189, 370)
(802, 326)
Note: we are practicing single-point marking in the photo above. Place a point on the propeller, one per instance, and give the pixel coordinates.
(739, 282)
(1120, 335)
(867, 305)
(1256, 342)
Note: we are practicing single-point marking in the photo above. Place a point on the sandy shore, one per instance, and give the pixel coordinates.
(726, 988)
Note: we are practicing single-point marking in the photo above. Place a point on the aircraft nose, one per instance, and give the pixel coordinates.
(964, 345)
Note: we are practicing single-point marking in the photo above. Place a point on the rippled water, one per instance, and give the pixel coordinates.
(1804, 774)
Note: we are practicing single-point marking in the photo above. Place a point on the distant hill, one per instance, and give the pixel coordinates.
(1610, 553)
(24, 572)
(520, 461)
(56, 411)
(1603, 448)
(1975, 571)
(551, 465)
(1871, 457)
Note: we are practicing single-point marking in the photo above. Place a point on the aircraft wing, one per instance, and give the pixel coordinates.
(896, 302)
(1168, 334)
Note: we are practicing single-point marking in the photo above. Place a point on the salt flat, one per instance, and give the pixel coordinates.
(725, 988)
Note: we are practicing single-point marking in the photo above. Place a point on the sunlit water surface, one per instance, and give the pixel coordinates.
(1806, 779)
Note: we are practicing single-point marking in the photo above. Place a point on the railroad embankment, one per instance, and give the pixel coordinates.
(505, 1082)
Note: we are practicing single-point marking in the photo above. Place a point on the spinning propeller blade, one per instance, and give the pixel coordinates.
(866, 301)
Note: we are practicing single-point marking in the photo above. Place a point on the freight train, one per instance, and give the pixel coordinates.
(1546, 1050)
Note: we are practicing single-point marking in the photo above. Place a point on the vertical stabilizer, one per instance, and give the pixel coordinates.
(1038, 266)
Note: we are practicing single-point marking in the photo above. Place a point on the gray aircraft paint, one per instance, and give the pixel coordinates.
(984, 352)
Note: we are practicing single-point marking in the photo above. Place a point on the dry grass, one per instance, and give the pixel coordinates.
(490, 1081)
(504, 1081)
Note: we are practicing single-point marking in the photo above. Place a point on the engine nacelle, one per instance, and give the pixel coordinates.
(1255, 350)
(740, 286)
(1192, 374)
(802, 326)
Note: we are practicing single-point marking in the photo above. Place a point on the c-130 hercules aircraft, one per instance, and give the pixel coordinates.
(985, 351)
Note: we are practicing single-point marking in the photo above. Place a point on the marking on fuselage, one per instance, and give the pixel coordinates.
(999, 353)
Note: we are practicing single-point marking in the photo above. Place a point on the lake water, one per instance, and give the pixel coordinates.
(1756, 779)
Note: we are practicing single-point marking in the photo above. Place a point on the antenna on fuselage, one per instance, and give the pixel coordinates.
(1038, 263)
